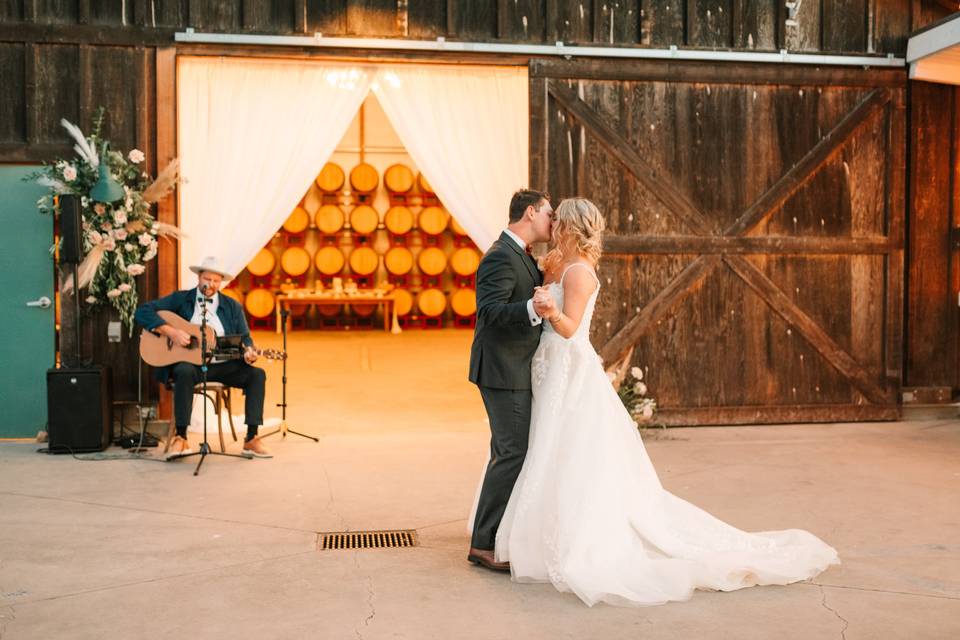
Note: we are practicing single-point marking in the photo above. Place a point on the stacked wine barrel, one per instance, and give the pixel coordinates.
(414, 245)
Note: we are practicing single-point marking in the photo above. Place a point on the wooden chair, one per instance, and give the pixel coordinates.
(219, 395)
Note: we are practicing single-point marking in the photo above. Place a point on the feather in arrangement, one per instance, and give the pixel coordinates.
(52, 183)
(164, 183)
(83, 148)
(87, 269)
(617, 371)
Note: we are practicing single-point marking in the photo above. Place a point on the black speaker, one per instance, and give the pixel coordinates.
(79, 409)
(71, 248)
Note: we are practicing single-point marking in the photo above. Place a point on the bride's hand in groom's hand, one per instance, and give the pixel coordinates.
(543, 303)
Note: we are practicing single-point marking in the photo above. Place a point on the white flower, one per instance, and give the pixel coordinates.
(636, 372)
(136, 269)
(94, 237)
(120, 216)
(84, 202)
(640, 388)
(648, 412)
(120, 234)
(113, 293)
(124, 287)
(150, 254)
(146, 239)
(136, 156)
(109, 243)
(69, 173)
(91, 299)
(155, 228)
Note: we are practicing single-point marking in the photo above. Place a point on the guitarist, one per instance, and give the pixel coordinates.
(224, 316)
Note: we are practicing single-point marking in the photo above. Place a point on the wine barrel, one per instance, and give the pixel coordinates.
(364, 178)
(330, 261)
(259, 303)
(262, 263)
(398, 261)
(432, 261)
(403, 301)
(234, 293)
(425, 187)
(433, 220)
(364, 219)
(398, 220)
(329, 219)
(330, 179)
(464, 301)
(363, 310)
(295, 261)
(431, 302)
(364, 261)
(398, 178)
(297, 222)
(456, 228)
(465, 261)
(329, 310)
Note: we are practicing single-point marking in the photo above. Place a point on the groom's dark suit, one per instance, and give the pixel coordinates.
(503, 345)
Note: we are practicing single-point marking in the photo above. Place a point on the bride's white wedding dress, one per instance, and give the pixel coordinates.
(588, 512)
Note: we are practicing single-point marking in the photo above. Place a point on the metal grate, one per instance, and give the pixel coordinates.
(337, 540)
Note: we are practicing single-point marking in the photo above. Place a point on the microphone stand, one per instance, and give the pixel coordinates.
(283, 430)
(205, 449)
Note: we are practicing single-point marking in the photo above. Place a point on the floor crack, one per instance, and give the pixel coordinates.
(370, 596)
(846, 623)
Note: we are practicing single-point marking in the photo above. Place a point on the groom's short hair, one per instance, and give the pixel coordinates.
(522, 199)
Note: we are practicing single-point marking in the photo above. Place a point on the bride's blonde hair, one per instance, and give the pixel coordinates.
(578, 223)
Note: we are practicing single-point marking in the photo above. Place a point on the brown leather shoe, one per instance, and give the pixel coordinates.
(485, 558)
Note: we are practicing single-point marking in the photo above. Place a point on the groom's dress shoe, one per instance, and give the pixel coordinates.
(485, 558)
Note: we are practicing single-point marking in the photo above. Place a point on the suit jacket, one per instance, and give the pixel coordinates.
(504, 340)
(183, 304)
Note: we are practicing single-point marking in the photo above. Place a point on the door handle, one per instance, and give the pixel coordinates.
(43, 302)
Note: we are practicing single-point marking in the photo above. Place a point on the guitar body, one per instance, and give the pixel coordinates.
(161, 351)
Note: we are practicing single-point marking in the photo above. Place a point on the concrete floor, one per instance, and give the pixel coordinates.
(142, 549)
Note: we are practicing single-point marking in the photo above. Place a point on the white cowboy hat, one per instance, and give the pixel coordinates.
(213, 265)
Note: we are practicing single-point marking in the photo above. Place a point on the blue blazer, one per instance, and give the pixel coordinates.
(183, 303)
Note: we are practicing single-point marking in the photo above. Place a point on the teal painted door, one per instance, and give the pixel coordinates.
(27, 348)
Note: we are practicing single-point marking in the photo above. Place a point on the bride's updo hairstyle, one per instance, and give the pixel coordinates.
(578, 226)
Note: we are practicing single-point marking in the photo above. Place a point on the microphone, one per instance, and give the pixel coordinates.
(204, 288)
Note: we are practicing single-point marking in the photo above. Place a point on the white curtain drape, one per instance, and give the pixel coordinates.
(466, 129)
(252, 136)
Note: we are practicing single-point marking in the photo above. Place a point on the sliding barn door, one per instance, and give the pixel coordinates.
(754, 254)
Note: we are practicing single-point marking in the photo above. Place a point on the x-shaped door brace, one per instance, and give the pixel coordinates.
(733, 236)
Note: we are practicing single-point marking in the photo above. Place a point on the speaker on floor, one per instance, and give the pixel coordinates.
(79, 409)
(71, 248)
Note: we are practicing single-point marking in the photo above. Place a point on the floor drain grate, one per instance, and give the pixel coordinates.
(368, 539)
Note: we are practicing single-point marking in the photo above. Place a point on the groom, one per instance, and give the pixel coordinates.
(505, 338)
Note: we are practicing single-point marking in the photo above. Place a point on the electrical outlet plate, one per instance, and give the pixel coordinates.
(113, 332)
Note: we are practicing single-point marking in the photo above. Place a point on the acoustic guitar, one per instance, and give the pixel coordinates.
(161, 351)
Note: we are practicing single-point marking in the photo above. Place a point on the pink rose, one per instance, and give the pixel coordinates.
(99, 208)
(94, 237)
(136, 269)
(136, 156)
(145, 239)
(69, 173)
(109, 243)
(113, 293)
(124, 287)
(120, 234)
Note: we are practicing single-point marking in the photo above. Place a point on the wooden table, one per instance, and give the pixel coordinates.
(388, 300)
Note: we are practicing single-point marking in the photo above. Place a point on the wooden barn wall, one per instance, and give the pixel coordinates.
(933, 247)
(65, 58)
(754, 251)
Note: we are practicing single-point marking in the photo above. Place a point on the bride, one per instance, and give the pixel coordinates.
(588, 512)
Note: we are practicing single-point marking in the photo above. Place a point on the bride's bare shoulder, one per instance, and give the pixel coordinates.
(580, 276)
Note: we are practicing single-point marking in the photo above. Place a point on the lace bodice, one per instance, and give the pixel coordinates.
(556, 288)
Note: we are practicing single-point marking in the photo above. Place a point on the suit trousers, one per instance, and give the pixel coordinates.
(233, 373)
(509, 413)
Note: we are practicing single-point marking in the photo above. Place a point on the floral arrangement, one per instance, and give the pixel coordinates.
(633, 394)
(119, 238)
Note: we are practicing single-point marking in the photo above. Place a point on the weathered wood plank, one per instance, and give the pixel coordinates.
(663, 23)
(802, 172)
(891, 27)
(538, 101)
(216, 15)
(269, 16)
(427, 18)
(53, 11)
(617, 22)
(377, 18)
(57, 92)
(21, 152)
(809, 329)
(328, 17)
(755, 24)
(14, 99)
(11, 10)
(522, 20)
(475, 20)
(802, 28)
(109, 13)
(84, 34)
(167, 263)
(844, 25)
(738, 74)
(770, 245)
(661, 186)
(709, 416)
(682, 286)
(709, 23)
